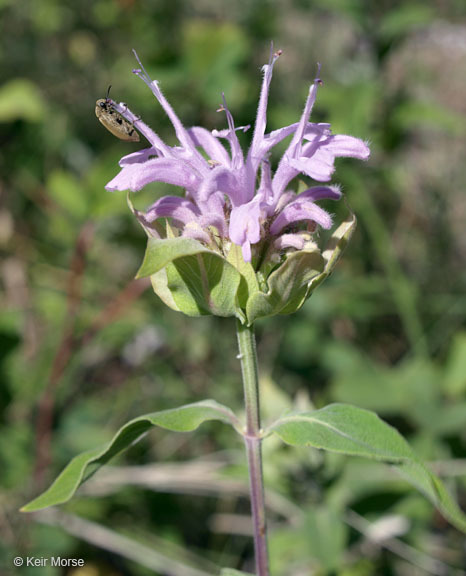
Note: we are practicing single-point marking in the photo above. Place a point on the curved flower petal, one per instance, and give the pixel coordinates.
(317, 130)
(291, 165)
(341, 145)
(223, 180)
(290, 241)
(318, 160)
(285, 199)
(321, 193)
(320, 167)
(135, 176)
(139, 157)
(298, 211)
(174, 207)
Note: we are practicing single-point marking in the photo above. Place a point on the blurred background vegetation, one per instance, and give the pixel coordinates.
(84, 347)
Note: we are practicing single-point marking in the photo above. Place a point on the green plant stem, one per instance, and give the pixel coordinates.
(253, 439)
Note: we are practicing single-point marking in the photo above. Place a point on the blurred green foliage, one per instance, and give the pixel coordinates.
(386, 332)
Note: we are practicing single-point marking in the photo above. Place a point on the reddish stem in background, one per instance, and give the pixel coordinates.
(44, 420)
(70, 343)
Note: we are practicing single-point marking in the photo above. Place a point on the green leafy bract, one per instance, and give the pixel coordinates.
(292, 283)
(184, 419)
(287, 286)
(334, 249)
(249, 284)
(350, 430)
(190, 278)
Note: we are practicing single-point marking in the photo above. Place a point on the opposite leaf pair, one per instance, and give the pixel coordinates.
(338, 428)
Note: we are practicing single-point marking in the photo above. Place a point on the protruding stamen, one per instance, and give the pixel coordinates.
(142, 71)
(231, 124)
(317, 78)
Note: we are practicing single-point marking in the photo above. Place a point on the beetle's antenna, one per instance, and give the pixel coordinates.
(108, 91)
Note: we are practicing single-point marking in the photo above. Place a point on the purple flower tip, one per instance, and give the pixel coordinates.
(222, 202)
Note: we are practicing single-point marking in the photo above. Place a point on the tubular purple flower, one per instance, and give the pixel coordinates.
(135, 176)
(222, 203)
(255, 155)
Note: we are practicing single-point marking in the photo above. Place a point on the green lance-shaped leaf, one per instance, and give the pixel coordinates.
(184, 419)
(350, 430)
(231, 572)
(190, 278)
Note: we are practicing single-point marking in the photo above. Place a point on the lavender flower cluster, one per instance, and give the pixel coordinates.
(232, 197)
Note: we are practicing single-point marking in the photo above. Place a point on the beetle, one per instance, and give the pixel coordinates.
(114, 121)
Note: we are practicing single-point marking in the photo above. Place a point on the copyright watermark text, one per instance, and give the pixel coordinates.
(48, 561)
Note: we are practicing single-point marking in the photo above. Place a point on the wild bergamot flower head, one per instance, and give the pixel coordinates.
(233, 199)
